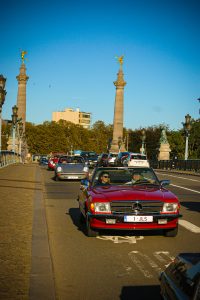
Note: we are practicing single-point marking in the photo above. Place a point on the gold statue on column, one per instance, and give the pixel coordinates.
(23, 53)
(120, 60)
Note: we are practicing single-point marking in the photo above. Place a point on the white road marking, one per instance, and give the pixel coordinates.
(189, 226)
(121, 239)
(164, 174)
(159, 255)
(184, 188)
(139, 264)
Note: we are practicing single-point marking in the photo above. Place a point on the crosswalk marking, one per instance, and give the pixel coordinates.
(142, 262)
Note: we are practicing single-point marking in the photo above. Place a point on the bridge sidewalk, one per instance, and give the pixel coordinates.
(22, 229)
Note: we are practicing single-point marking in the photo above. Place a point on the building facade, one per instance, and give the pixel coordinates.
(74, 116)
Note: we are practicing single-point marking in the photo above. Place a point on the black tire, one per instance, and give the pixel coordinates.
(90, 232)
(171, 232)
(57, 178)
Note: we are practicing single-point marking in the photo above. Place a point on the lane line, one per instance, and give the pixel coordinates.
(191, 227)
(164, 174)
(184, 188)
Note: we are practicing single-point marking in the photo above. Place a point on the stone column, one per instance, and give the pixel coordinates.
(164, 150)
(21, 96)
(117, 141)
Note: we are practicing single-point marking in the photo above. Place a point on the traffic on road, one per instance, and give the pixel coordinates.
(117, 264)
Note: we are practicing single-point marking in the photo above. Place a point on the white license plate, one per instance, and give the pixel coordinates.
(138, 219)
(72, 177)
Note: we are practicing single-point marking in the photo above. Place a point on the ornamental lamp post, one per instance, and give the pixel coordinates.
(20, 139)
(2, 99)
(143, 138)
(14, 122)
(187, 128)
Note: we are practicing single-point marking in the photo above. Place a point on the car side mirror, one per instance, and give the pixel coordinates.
(164, 182)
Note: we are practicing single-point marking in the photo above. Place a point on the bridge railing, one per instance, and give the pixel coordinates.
(8, 158)
(178, 164)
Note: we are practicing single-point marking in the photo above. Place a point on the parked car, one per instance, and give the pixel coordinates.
(110, 161)
(102, 160)
(181, 278)
(121, 204)
(70, 167)
(120, 157)
(135, 160)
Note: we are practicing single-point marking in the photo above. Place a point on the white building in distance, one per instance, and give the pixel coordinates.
(74, 116)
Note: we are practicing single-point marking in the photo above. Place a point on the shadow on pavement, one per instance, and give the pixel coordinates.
(192, 206)
(140, 292)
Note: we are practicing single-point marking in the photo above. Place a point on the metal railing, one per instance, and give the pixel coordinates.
(178, 164)
(8, 158)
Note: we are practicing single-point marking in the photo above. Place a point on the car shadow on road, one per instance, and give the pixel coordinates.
(145, 292)
(192, 206)
(75, 216)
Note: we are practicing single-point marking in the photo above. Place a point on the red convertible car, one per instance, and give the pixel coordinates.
(128, 198)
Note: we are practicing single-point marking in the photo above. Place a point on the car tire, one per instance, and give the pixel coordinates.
(57, 178)
(171, 232)
(90, 232)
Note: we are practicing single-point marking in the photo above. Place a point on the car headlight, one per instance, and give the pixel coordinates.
(59, 169)
(170, 207)
(102, 207)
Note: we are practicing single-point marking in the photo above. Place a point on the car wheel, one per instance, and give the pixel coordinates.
(89, 230)
(57, 178)
(171, 232)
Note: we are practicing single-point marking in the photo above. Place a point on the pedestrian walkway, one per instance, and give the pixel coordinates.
(23, 235)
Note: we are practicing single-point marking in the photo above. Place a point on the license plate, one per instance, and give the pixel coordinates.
(136, 219)
(72, 177)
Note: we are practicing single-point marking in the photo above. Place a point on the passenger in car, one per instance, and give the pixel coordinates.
(138, 177)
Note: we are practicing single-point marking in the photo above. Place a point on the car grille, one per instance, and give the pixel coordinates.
(135, 207)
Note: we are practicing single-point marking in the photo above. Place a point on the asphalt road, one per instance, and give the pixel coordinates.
(121, 265)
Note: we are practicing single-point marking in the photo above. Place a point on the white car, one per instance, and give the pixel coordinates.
(111, 159)
(136, 160)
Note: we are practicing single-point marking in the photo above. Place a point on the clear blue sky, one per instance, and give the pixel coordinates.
(71, 58)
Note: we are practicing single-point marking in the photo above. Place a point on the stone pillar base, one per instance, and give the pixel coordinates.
(115, 147)
(164, 152)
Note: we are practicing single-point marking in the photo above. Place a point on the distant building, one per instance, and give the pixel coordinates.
(74, 116)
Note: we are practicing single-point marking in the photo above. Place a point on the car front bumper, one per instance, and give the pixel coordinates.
(71, 176)
(101, 222)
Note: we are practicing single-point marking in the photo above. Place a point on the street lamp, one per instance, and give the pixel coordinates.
(21, 131)
(14, 123)
(2, 99)
(187, 127)
(143, 138)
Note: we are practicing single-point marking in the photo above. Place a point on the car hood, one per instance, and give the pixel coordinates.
(71, 167)
(109, 193)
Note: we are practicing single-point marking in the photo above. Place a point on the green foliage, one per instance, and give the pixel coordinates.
(64, 136)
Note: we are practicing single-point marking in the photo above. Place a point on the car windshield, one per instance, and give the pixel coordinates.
(126, 176)
(71, 159)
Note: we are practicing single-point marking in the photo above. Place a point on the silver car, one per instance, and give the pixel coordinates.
(70, 167)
